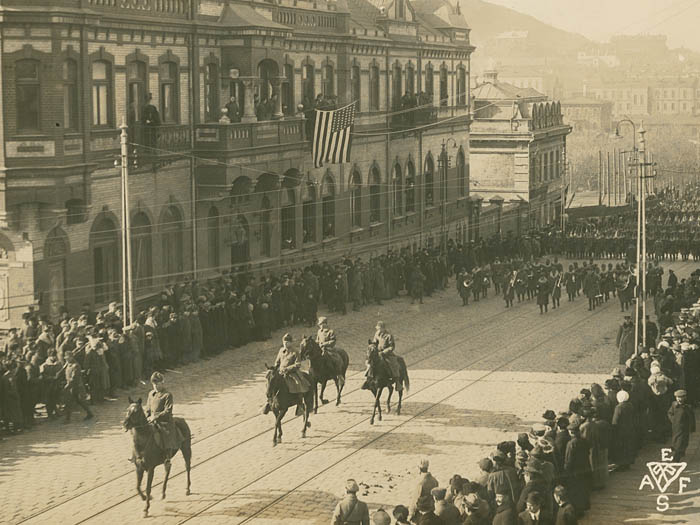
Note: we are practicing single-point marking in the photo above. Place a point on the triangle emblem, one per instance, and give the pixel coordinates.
(664, 474)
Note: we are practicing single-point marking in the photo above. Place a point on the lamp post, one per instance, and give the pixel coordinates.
(445, 162)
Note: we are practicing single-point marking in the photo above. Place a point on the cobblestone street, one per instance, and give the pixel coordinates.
(457, 409)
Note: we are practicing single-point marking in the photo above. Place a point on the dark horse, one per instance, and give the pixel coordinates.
(280, 399)
(379, 378)
(325, 366)
(148, 454)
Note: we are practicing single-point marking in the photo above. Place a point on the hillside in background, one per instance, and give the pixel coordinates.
(488, 22)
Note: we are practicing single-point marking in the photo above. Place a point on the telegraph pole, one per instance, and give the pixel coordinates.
(127, 289)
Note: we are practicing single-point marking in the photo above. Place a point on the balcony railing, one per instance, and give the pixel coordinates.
(159, 145)
(159, 8)
(228, 137)
(412, 119)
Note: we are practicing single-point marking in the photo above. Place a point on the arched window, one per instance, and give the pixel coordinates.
(309, 82)
(266, 219)
(288, 106)
(328, 200)
(355, 85)
(105, 259)
(101, 93)
(328, 81)
(70, 95)
(397, 181)
(410, 188)
(308, 196)
(288, 216)
(410, 79)
(141, 251)
(169, 97)
(444, 93)
(172, 242)
(461, 173)
(211, 92)
(136, 79)
(461, 87)
(429, 82)
(27, 88)
(213, 240)
(374, 88)
(396, 86)
(374, 196)
(356, 199)
(429, 181)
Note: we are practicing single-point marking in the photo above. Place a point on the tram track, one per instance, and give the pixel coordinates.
(364, 419)
(411, 350)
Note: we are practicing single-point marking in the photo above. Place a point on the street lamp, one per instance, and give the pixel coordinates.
(444, 164)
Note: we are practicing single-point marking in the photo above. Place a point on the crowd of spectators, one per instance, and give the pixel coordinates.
(546, 476)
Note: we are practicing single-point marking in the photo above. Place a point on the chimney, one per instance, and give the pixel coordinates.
(491, 76)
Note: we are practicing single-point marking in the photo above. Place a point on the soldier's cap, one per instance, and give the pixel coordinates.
(351, 486)
(680, 393)
(425, 503)
(157, 377)
(322, 320)
(439, 493)
(549, 415)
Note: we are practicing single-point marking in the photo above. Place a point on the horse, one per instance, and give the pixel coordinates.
(280, 399)
(325, 365)
(148, 454)
(379, 378)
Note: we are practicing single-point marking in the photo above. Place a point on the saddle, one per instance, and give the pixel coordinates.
(167, 436)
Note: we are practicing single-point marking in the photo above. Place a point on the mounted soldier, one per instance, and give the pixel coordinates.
(385, 345)
(325, 337)
(288, 363)
(159, 409)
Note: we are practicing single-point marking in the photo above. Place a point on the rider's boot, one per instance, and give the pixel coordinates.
(266, 409)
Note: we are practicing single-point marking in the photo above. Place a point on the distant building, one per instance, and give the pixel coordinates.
(518, 148)
(587, 114)
(675, 96)
(627, 97)
(543, 81)
(596, 59)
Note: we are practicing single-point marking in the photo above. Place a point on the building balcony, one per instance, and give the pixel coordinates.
(241, 136)
(160, 145)
(414, 119)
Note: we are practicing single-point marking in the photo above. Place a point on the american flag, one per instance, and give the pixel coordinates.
(332, 135)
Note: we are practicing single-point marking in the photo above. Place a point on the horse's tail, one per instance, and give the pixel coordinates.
(404, 373)
(345, 362)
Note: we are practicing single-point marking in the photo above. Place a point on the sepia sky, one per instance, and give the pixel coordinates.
(599, 19)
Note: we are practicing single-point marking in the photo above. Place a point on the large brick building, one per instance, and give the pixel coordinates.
(206, 196)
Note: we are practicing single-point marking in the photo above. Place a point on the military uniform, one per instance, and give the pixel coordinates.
(287, 361)
(385, 345)
(159, 408)
(350, 511)
(325, 337)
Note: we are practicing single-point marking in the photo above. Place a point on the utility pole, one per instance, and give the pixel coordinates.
(607, 185)
(600, 177)
(127, 289)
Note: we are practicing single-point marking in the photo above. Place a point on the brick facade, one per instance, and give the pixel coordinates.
(60, 208)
